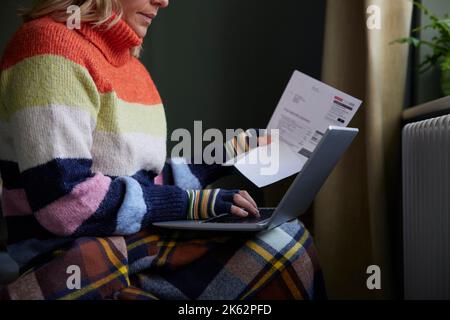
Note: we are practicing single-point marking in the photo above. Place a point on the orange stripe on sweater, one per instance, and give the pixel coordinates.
(130, 81)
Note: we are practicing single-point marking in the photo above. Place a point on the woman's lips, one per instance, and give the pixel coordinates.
(148, 17)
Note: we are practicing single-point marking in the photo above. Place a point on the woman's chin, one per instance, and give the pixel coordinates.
(141, 31)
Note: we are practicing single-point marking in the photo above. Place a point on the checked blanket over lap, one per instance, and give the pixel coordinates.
(163, 264)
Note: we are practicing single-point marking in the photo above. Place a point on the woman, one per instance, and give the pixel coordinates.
(83, 142)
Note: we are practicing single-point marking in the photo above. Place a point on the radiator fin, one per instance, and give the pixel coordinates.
(426, 208)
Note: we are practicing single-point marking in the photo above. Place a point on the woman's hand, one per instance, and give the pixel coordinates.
(243, 205)
(243, 143)
(208, 203)
(264, 140)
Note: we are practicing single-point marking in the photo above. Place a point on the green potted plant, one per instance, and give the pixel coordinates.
(440, 45)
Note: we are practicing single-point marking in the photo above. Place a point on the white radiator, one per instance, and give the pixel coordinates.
(426, 209)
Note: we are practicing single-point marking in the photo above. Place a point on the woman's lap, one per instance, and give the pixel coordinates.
(220, 266)
(279, 263)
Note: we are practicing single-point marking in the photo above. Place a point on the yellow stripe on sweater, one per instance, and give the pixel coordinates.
(44, 80)
(126, 117)
(47, 80)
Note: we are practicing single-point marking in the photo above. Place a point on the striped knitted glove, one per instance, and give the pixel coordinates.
(208, 203)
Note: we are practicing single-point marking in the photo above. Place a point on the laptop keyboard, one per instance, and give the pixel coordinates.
(265, 213)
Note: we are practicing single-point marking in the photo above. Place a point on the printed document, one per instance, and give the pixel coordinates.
(305, 111)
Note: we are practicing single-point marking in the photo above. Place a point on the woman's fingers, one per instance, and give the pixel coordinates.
(238, 211)
(243, 203)
(264, 140)
(247, 196)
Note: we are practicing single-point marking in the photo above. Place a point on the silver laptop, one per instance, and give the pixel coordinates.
(298, 197)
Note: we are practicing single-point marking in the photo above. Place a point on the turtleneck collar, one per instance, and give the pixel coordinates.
(115, 42)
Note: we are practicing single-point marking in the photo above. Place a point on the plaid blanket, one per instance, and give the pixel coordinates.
(163, 264)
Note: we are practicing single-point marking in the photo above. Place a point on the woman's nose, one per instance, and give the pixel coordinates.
(160, 3)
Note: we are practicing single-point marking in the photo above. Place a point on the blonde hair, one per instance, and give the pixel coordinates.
(96, 12)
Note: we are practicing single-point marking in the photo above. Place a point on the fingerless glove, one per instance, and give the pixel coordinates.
(208, 203)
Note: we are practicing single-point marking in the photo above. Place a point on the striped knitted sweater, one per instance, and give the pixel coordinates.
(83, 136)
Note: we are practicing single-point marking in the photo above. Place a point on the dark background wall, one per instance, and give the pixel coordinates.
(9, 21)
(225, 62)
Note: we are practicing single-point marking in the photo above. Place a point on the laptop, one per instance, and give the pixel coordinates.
(296, 200)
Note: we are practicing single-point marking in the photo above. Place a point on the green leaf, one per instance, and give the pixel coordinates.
(421, 7)
(445, 64)
(439, 43)
(409, 40)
